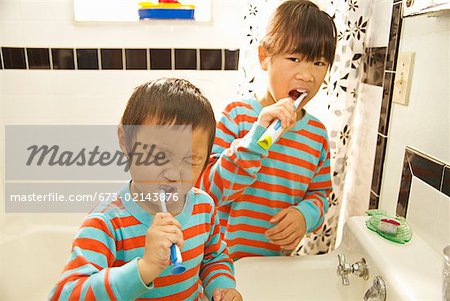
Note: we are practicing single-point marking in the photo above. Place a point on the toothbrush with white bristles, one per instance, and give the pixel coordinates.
(175, 253)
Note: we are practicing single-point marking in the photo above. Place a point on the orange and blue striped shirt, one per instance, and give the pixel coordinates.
(103, 260)
(250, 185)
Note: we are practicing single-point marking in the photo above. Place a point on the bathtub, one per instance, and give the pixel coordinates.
(31, 262)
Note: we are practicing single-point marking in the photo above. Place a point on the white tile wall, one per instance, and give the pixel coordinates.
(363, 147)
(94, 97)
(379, 23)
(424, 124)
(51, 23)
(429, 214)
(97, 97)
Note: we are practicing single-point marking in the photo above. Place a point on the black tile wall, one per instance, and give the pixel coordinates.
(374, 201)
(373, 66)
(405, 185)
(38, 58)
(63, 58)
(186, 59)
(433, 172)
(161, 59)
(446, 181)
(14, 58)
(231, 59)
(87, 59)
(118, 59)
(426, 169)
(379, 163)
(394, 36)
(111, 59)
(210, 59)
(136, 59)
(379, 69)
(386, 102)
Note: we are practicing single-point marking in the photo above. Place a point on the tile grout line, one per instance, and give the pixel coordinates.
(1, 58)
(222, 52)
(75, 58)
(124, 59)
(197, 55)
(27, 67)
(374, 193)
(442, 179)
(50, 57)
(99, 59)
(172, 58)
(426, 156)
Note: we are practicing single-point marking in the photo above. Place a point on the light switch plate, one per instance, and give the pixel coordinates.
(402, 82)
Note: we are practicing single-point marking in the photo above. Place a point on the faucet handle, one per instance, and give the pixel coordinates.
(361, 269)
(345, 280)
(343, 270)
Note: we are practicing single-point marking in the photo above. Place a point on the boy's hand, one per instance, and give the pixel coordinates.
(283, 110)
(164, 231)
(226, 294)
(290, 229)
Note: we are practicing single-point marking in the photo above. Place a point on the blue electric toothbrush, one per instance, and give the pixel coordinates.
(275, 130)
(175, 253)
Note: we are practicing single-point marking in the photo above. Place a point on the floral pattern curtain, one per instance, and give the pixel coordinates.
(339, 91)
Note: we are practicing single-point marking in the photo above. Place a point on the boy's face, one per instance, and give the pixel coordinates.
(287, 72)
(176, 157)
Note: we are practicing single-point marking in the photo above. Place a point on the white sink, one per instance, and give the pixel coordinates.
(411, 272)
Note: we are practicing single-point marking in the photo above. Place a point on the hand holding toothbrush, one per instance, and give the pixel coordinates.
(162, 234)
(283, 110)
(279, 117)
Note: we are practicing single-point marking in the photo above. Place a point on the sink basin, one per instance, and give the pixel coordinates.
(289, 278)
(411, 272)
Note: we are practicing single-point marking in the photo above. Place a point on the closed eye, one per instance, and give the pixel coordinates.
(193, 160)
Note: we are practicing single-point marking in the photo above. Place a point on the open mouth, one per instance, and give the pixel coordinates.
(168, 189)
(294, 94)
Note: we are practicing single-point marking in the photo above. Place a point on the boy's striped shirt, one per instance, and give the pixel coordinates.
(103, 261)
(250, 185)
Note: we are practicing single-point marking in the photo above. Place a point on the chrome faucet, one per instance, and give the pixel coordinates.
(359, 268)
(377, 292)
